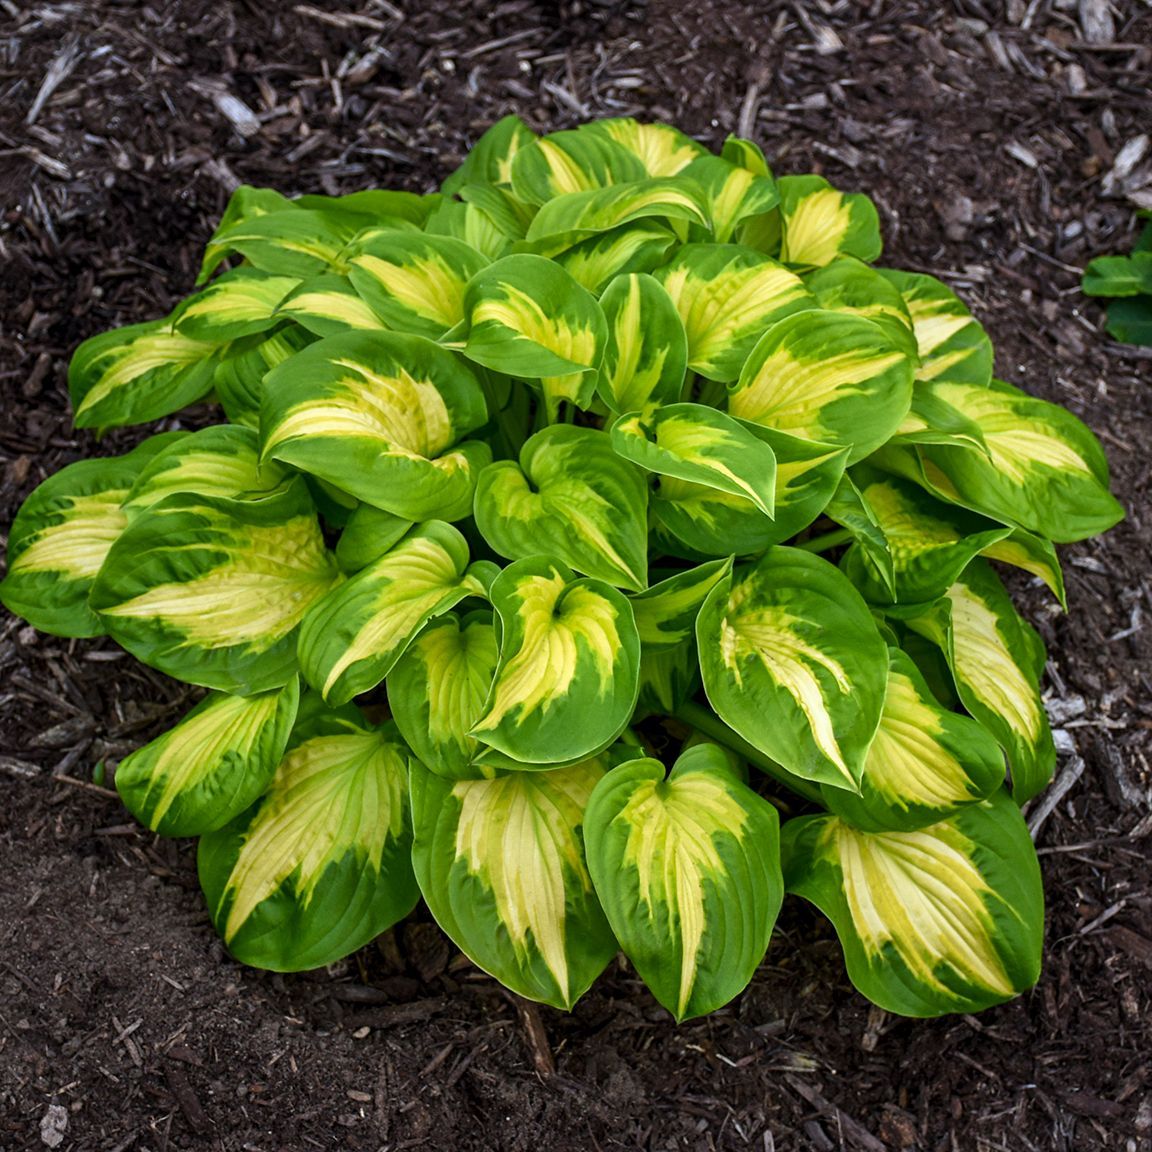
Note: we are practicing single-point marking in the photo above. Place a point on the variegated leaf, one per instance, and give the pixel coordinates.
(291, 241)
(697, 521)
(953, 346)
(380, 415)
(577, 215)
(698, 443)
(212, 590)
(1044, 470)
(793, 660)
(572, 497)
(566, 683)
(437, 690)
(826, 376)
(930, 542)
(136, 374)
(524, 315)
(666, 613)
(379, 205)
(948, 918)
(820, 222)
(660, 148)
(646, 354)
(731, 194)
(240, 303)
(851, 510)
(595, 262)
(746, 154)
(61, 536)
(571, 161)
(996, 659)
(415, 282)
(849, 285)
(367, 536)
(489, 160)
(1035, 555)
(238, 378)
(220, 759)
(246, 203)
(223, 461)
(501, 866)
(474, 225)
(350, 639)
(328, 305)
(925, 762)
(931, 420)
(727, 295)
(323, 863)
(688, 872)
(668, 678)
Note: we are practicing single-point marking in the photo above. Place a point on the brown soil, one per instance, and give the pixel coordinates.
(987, 134)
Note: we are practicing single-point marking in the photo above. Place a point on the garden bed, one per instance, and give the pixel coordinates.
(990, 143)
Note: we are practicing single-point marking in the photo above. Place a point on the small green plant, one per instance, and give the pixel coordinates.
(529, 486)
(1127, 282)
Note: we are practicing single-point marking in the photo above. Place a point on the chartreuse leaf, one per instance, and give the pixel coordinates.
(948, 918)
(211, 590)
(595, 262)
(1044, 470)
(415, 282)
(572, 497)
(351, 637)
(328, 305)
(223, 461)
(849, 285)
(571, 161)
(368, 535)
(727, 295)
(666, 613)
(826, 376)
(708, 522)
(1033, 554)
(378, 415)
(793, 661)
(238, 377)
(322, 864)
(239, 303)
(490, 159)
(437, 690)
(646, 354)
(662, 149)
(688, 872)
(746, 154)
(136, 374)
(527, 317)
(820, 222)
(953, 346)
(996, 660)
(925, 761)
(482, 225)
(578, 215)
(698, 443)
(566, 683)
(214, 764)
(61, 536)
(731, 194)
(501, 866)
(930, 542)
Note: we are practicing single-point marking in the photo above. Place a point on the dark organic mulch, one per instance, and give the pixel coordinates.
(993, 138)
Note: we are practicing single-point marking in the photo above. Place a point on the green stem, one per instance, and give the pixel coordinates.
(714, 728)
(827, 541)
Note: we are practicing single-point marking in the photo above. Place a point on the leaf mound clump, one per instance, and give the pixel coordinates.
(613, 454)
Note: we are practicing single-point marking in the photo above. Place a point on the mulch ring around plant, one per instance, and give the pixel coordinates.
(998, 147)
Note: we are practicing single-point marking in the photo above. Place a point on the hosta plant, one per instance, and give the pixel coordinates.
(565, 531)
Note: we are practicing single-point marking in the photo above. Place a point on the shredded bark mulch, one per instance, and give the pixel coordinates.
(1005, 146)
